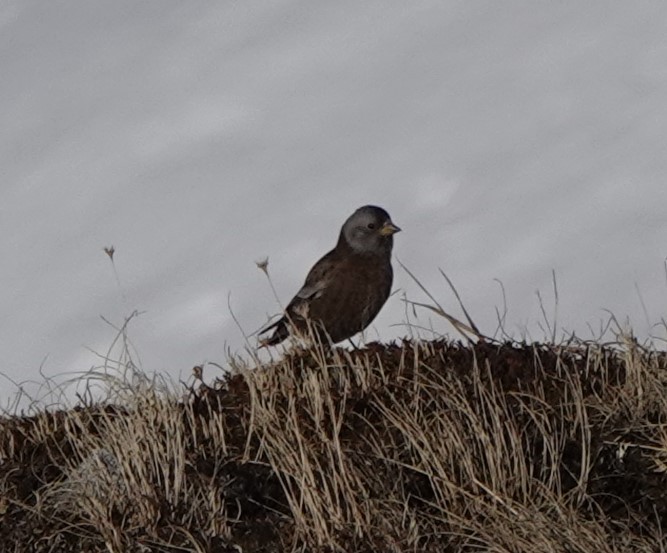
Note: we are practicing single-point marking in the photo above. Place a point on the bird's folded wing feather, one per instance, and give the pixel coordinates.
(318, 278)
(317, 281)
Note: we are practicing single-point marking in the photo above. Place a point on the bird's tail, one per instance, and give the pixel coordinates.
(279, 334)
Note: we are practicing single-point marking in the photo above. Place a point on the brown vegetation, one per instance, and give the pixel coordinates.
(420, 447)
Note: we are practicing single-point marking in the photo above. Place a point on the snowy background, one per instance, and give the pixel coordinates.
(507, 139)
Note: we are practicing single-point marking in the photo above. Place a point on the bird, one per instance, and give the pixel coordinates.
(347, 287)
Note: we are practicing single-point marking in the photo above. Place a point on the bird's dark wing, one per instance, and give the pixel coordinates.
(318, 278)
(297, 311)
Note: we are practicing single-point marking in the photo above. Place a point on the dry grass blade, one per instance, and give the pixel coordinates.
(462, 328)
(465, 311)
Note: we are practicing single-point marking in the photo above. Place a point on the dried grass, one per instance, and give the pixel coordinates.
(422, 446)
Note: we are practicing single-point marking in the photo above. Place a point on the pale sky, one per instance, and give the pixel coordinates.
(507, 139)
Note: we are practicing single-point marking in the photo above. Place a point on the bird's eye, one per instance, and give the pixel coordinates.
(371, 226)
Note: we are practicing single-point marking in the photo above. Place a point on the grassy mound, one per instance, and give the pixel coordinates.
(420, 446)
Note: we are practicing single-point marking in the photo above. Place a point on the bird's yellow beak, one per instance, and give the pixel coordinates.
(389, 228)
